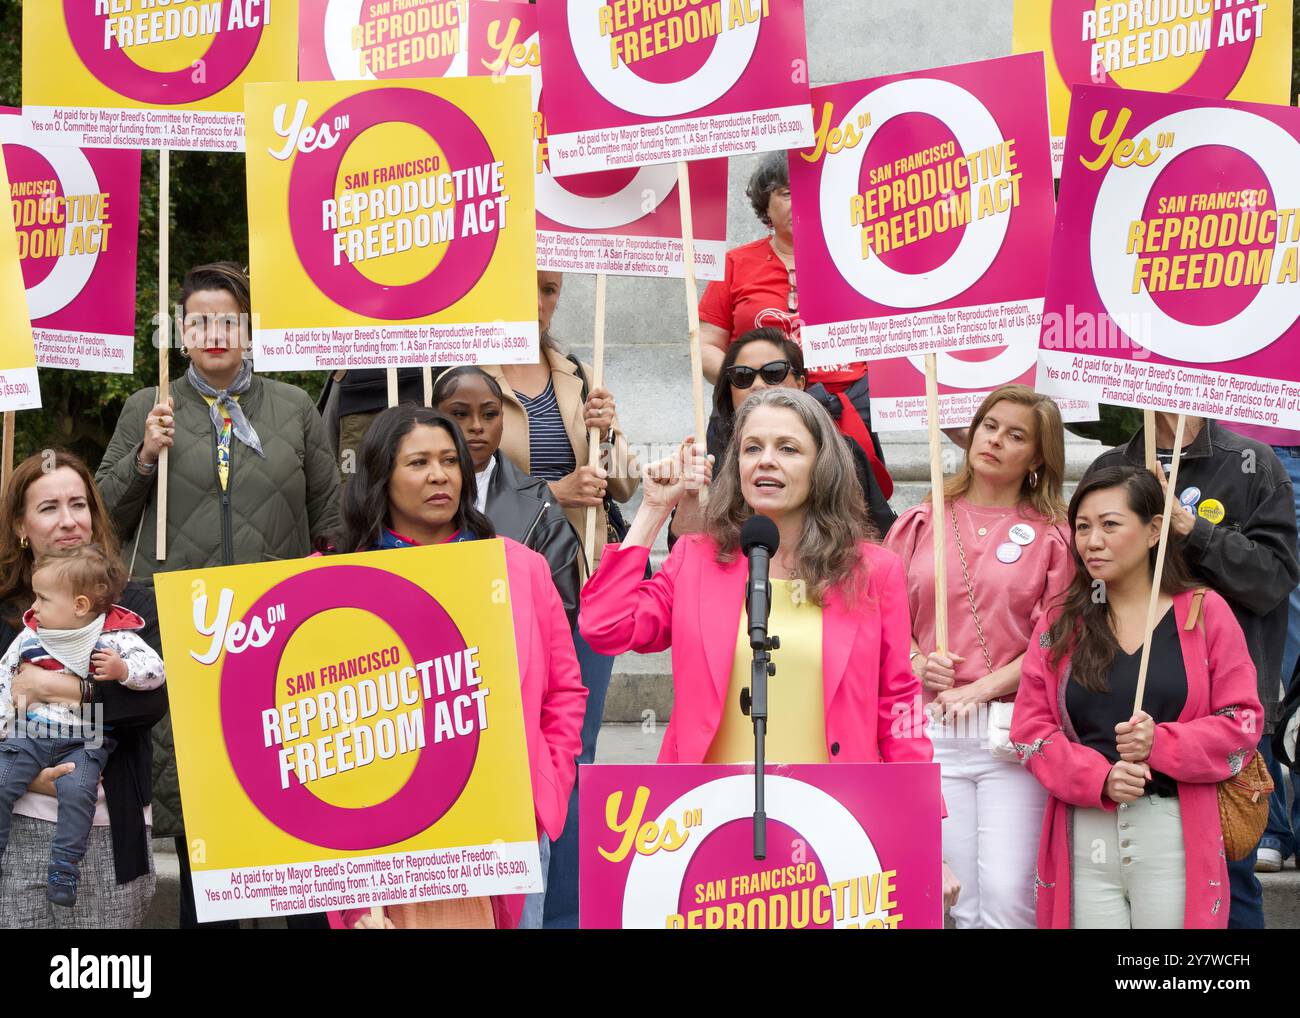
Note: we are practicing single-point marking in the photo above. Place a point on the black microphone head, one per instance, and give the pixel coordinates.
(759, 532)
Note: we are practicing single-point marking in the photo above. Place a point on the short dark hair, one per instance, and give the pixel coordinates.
(228, 276)
(449, 381)
(365, 496)
(772, 174)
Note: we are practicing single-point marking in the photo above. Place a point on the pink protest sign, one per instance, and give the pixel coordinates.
(966, 377)
(1175, 276)
(622, 222)
(923, 213)
(849, 846)
(361, 40)
(639, 82)
(77, 220)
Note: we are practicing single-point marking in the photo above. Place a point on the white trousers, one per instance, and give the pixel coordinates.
(1129, 866)
(991, 833)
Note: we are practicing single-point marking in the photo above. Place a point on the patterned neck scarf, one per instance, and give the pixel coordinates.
(392, 539)
(224, 405)
(72, 647)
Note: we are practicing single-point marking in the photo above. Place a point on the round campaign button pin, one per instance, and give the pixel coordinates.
(1211, 509)
(1022, 534)
(1190, 496)
(1009, 552)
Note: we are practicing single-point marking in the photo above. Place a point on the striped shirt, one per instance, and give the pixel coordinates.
(550, 453)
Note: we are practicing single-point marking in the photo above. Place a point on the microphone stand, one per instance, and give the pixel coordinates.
(753, 702)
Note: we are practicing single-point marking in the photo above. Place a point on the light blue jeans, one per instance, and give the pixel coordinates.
(535, 904)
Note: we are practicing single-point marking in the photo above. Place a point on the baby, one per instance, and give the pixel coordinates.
(73, 626)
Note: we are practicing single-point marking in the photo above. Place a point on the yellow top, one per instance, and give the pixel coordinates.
(796, 722)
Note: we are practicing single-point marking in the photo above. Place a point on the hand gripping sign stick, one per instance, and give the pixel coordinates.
(936, 506)
(593, 434)
(1160, 559)
(165, 333)
(692, 310)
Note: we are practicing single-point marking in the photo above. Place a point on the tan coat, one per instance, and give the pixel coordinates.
(624, 475)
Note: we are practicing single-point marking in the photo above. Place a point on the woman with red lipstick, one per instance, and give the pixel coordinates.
(1131, 838)
(1008, 559)
(251, 476)
(416, 485)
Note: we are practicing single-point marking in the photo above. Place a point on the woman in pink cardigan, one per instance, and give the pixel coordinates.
(839, 601)
(415, 486)
(1131, 836)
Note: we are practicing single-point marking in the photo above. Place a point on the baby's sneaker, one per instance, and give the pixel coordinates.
(61, 887)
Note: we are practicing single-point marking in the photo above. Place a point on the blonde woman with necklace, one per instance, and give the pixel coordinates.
(1008, 560)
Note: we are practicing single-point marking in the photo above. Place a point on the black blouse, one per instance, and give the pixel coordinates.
(1095, 715)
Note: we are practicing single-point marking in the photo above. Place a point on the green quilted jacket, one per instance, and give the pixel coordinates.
(276, 508)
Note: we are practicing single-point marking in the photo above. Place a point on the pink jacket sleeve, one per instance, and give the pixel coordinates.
(621, 610)
(1213, 748)
(903, 536)
(900, 690)
(1073, 773)
(565, 699)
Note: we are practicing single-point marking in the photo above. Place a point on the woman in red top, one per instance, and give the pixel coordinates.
(758, 290)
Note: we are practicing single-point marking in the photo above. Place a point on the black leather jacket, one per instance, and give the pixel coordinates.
(523, 508)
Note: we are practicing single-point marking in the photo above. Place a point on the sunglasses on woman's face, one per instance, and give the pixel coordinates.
(773, 372)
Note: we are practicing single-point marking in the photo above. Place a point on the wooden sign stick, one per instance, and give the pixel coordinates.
(8, 451)
(1153, 604)
(593, 434)
(1149, 436)
(392, 387)
(692, 309)
(428, 386)
(939, 523)
(164, 332)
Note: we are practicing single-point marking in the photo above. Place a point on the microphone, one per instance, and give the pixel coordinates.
(759, 540)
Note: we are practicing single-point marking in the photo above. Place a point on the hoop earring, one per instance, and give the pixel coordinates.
(1033, 479)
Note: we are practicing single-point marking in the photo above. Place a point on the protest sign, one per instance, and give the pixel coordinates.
(640, 82)
(19, 387)
(1220, 49)
(391, 224)
(364, 40)
(621, 222)
(923, 213)
(142, 74)
(966, 377)
(348, 731)
(77, 213)
(849, 846)
(1175, 275)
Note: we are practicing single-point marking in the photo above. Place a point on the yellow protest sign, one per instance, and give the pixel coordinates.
(19, 388)
(349, 730)
(145, 74)
(391, 223)
(1202, 47)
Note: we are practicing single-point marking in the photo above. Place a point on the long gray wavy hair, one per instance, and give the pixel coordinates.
(836, 519)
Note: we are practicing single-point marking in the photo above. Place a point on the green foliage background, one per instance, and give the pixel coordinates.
(209, 221)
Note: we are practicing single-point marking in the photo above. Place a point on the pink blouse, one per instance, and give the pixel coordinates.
(1018, 567)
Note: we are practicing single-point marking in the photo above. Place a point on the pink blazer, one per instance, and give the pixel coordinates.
(1213, 737)
(694, 605)
(554, 701)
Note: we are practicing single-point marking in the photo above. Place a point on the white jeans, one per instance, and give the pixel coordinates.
(991, 833)
(1129, 866)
